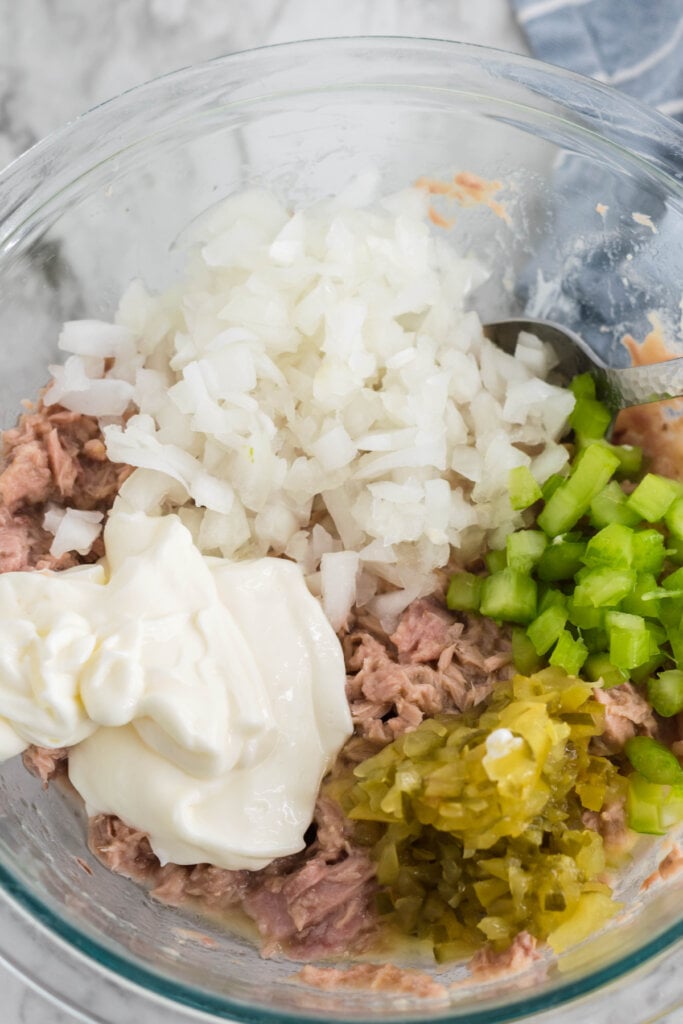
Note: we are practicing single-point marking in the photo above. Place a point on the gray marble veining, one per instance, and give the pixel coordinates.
(57, 59)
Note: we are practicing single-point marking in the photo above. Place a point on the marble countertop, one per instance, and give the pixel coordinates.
(58, 59)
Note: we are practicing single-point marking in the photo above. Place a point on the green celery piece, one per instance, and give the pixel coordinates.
(496, 560)
(509, 595)
(654, 761)
(464, 592)
(653, 497)
(674, 550)
(629, 648)
(524, 549)
(546, 629)
(585, 617)
(665, 693)
(641, 673)
(561, 560)
(643, 802)
(649, 551)
(582, 386)
(630, 460)
(611, 547)
(674, 519)
(674, 581)
(592, 470)
(523, 488)
(624, 620)
(590, 418)
(551, 485)
(523, 654)
(569, 653)
(549, 596)
(636, 604)
(596, 640)
(598, 666)
(604, 587)
(609, 506)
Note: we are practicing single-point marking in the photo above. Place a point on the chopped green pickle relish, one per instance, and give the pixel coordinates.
(475, 820)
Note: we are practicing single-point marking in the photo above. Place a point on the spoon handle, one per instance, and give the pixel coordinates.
(637, 385)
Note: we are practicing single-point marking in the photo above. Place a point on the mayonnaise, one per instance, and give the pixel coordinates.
(203, 699)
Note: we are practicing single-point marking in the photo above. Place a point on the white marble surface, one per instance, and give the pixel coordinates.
(59, 57)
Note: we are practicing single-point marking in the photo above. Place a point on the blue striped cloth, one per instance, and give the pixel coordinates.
(634, 45)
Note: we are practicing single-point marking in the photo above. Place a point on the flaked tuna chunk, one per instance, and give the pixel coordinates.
(26, 479)
(45, 762)
(424, 630)
(319, 909)
(627, 714)
(487, 963)
(391, 686)
(122, 849)
(612, 825)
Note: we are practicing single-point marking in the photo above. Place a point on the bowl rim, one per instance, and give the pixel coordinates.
(19, 180)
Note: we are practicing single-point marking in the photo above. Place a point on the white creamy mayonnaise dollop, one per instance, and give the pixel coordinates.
(203, 699)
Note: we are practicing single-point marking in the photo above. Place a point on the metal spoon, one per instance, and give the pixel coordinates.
(617, 388)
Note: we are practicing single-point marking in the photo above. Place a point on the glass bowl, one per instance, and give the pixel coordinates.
(591, 232)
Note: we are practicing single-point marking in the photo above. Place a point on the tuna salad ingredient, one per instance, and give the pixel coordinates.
(184, 715)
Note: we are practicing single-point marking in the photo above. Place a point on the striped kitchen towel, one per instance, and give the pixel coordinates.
(634, 45)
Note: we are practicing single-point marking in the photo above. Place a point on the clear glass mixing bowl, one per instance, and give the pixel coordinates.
(113, 197)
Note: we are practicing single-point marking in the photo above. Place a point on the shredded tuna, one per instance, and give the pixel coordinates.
(612, 825)
(627, 714)
(487, 963)
(372, 978)
(51, 455)
(312, 904)
(433, 663)
(44, 762)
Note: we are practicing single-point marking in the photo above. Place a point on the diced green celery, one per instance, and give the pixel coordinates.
(630, 460)
(649, 551)
(609, 506)
(635, 604)
(549, 596)
(551, 485)
(674, 519)
(671, 811)
(546, 629)
(674, 550)
(523, 488)
(596, 640)
(509, 595)
(591, 472)
(598, 666)
(496, 560)
(629, 647)
(464, 592)
(674, 581)
(585, 617)
(604, 587)
(523, 653)
(611, 547)
(561, 560)
(665, 693)
(569, 653)
(654, 761)
(643, 802)
(624, 620)
(653, 497)
(524, 549)
(582, 386)
(675, 637)
(641, 673)
(590, 418)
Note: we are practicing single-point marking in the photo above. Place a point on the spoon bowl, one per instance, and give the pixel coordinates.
(617, 387)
